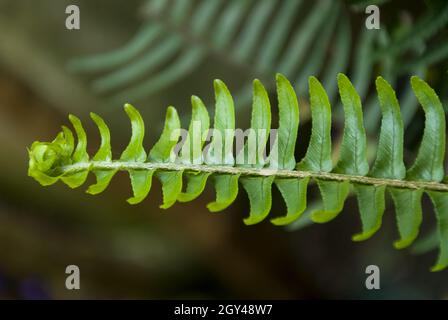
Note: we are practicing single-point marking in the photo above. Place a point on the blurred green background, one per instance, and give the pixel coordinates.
(186, 252)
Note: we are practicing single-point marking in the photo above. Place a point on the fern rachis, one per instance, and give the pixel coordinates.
(62, 160)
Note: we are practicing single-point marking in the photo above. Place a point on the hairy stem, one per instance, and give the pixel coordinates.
(125, 166)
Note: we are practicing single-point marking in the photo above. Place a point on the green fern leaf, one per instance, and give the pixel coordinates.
(104, 153)
(440, 200)
(257, 173)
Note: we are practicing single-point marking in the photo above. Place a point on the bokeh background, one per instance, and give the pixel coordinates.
(155, 53)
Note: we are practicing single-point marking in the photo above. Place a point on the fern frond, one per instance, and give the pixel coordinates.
(185, 37)
(62, 160)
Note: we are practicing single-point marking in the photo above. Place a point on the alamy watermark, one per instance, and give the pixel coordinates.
(373, 20)
(225, 147)
(373, 280)
(73, 280)
(73, 20)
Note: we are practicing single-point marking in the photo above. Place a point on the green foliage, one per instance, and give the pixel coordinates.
(259, 38)
(178, 36)
(62, 160)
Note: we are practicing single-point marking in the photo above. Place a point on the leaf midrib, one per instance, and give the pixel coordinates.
(265, 172)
